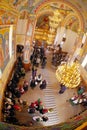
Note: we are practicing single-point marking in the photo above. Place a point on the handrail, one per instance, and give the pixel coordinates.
(76, 123)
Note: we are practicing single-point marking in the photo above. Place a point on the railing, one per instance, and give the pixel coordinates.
(71, 124)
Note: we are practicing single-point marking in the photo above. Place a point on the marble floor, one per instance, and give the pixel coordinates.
(62, 109)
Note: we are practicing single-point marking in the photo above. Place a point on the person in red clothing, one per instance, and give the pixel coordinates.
(38, 104)
(31, 108)
(32, 105)
(17, 107)
(43, 110)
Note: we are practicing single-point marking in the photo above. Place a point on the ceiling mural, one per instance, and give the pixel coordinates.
(20, 4)
(68, 19)
(10, 10)
(43, 21)
(8, 15)
(84, 4)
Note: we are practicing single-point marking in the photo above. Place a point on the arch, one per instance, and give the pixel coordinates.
(68, 17)
(73, 7)
(44, 12)
(49, 12)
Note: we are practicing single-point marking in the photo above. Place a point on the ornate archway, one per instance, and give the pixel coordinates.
(77, 12)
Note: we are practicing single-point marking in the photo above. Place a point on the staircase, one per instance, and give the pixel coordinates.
(49, 97)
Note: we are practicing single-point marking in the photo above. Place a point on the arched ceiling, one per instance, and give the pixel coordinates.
(10, 10)
(68, 16)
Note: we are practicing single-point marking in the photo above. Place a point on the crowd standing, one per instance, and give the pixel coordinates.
(12, 99)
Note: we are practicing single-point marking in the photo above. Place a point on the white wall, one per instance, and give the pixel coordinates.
(60, 32)
(70, 39)
(21, 26)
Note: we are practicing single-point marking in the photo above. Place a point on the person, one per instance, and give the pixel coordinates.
(21, 89)
(42, 51)
(81, 90)
(25, 86)
(34, 72)
(43, 110)
(31, 57)
(8, 106)
(39, 78)
(59, 48)
(43, 84)
(32, 105)
(20, 101)
(17, 107)
(9, 101)
(33, 83)
(74, 100)
(31, 110)
(37, 61)
(37, 118)
(38, 104)
(17, 93)
(44, 61)
(84, 103)
(45, 118)
(11, 119)
(63, 88)
(40, 107)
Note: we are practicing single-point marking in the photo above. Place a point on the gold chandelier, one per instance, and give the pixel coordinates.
(53, 23)
(54, 20)
(69, 74)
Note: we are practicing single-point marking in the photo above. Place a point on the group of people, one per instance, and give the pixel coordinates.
(12, 92)
(80, 97)
(38, 106)
(37, 80)
(38, 56)
(59, 56)
(40, 118)
(15, 88)
(23, 88)
(19, 73)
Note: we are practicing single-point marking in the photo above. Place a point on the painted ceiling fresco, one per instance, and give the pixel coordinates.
(32, 4)
(10, 10)
(64, 10)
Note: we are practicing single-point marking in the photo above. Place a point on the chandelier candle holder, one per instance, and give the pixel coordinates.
(68, 74)
(53, 23)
